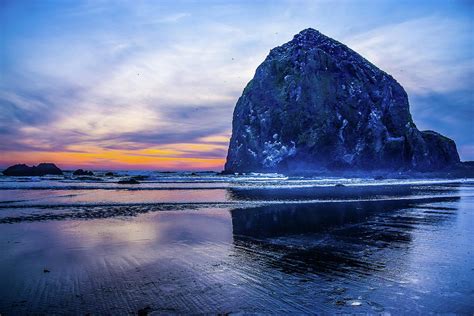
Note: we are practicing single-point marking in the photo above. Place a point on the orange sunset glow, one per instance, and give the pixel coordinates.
(173, 157)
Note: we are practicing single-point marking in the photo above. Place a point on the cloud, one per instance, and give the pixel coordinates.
(425, 55)
(173, 18)
(163, 137)
(466, 151)
(184, 124)
(122, 93)
(448, 113)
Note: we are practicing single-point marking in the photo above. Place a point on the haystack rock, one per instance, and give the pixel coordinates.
(315, 104)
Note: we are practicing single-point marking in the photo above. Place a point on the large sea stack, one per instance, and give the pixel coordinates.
(314, 104)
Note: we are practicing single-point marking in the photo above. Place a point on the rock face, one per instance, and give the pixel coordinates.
(315, 104)
(40, 170)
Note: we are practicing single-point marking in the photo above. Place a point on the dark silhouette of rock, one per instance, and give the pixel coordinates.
(314, 104)
(110, 174)
(48, 168)
(81, 172)
(140, 177)
(144, 311)
(18, 170)
(22, 170)
(88, 178)
(128, 181)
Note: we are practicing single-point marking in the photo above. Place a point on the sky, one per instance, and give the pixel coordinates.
(152, 84)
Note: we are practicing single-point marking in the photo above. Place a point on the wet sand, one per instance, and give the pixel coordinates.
(399, 250)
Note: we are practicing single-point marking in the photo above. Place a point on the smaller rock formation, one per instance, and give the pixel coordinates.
(140, 177)
(22, 170)
(128, 181)
(88, 178)
(81, 172)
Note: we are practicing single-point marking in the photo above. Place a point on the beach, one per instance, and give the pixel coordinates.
(257, 243)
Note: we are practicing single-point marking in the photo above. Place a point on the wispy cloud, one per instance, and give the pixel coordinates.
(173, 18)
(428, 54)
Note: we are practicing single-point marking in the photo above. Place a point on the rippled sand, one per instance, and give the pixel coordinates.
(222, 246)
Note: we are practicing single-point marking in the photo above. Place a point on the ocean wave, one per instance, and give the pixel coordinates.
(220, 184)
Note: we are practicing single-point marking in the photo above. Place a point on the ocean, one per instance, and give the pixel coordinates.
(201, 242)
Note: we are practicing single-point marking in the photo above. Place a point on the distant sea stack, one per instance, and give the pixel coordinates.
(22, 170)
(315, 104)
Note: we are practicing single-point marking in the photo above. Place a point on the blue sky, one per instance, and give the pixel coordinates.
(154, 83)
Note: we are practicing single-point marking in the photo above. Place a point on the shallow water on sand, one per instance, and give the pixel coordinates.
(261, 243)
